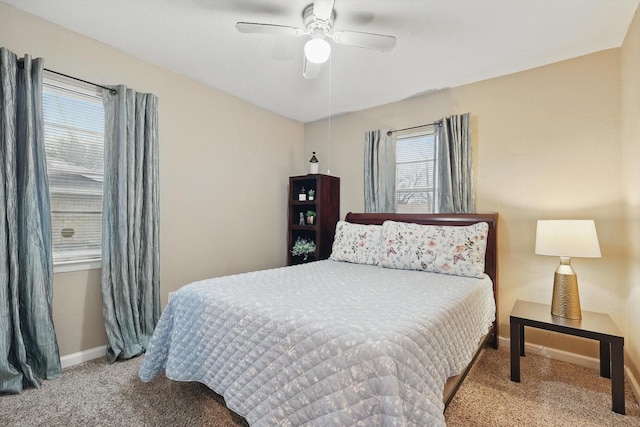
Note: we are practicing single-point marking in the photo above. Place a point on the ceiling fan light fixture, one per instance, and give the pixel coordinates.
(317, 50)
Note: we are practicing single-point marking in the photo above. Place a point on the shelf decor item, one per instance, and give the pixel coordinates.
(313, 164)
(303, 247)
(312, 194)
(302, 196)
(310, 216)
(566, 239)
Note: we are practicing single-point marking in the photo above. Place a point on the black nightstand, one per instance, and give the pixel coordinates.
(596, 326)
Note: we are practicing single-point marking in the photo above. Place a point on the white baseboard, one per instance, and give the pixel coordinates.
(83, 356)
(576, 359)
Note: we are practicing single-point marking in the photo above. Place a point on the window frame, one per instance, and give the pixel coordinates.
(426, 131)
(77, 263)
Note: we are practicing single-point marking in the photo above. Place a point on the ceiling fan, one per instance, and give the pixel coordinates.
(318, 19)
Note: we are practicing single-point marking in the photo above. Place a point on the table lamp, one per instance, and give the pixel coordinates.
(566, 239)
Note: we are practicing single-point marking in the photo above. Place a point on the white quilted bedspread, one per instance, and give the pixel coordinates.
(325, 343)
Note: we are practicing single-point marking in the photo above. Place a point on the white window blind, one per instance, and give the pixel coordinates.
(415, 174)
(74, 140)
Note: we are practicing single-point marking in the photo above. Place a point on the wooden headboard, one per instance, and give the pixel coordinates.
(491, 255)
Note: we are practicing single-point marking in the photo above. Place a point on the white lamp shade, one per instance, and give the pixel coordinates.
(317, 50)
(567, 238)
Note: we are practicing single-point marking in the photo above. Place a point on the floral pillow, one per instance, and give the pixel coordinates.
(356, 243)
(457, 250)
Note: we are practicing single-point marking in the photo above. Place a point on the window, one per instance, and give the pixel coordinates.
(74, 141)
(415, 175)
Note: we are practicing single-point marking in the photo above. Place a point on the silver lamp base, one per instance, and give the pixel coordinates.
(566, 299)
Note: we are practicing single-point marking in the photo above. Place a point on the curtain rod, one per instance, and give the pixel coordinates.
(437, 122)
(110, 89)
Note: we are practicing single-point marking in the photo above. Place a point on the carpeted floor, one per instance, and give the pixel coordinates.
(551, 393)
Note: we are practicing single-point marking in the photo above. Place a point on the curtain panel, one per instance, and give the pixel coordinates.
(28, 346)
(379, 171)
(130, 222)
(454, 172)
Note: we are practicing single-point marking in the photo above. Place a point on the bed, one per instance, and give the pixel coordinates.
(363, 338)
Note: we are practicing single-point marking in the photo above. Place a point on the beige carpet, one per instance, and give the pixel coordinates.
(552, 393)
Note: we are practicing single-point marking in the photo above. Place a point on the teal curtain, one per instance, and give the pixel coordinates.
(28, 346)
(454, 171)
(379, 171)
(130, 222)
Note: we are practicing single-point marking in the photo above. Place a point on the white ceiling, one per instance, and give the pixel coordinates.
(440, 43)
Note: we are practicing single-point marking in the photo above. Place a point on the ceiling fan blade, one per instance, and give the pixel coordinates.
(310, 70)
(258, 28)
(366, 40)
(322, 9)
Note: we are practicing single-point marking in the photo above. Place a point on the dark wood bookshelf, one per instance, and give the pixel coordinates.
(326, 204)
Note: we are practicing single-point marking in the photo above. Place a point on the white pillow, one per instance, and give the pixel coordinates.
(357, 243)
(457, 250)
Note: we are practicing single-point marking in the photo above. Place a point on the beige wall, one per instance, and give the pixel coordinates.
(546, 145)
(630, 56)
(224, 168)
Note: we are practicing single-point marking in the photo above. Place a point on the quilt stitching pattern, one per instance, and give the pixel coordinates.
(339, 344)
